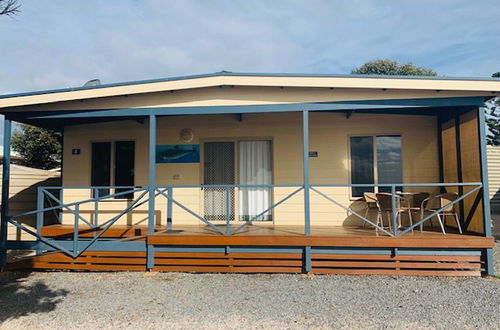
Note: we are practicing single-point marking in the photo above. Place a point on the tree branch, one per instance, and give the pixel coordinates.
(9, 7)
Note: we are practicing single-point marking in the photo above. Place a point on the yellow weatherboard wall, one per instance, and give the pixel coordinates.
(329, 136)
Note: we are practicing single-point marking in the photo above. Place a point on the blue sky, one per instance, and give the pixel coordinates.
(64, 43)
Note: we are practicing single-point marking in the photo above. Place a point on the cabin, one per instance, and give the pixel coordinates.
(261, 173)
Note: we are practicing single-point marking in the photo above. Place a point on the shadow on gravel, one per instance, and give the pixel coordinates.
(20, 296)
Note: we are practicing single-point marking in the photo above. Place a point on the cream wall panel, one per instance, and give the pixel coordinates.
(329, 135)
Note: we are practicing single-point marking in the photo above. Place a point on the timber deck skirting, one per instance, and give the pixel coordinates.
(280, 249)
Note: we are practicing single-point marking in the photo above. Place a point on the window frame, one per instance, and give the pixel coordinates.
(112, 169)
(375, 159)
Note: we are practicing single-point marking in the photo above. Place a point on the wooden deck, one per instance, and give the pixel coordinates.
(276, 249)
(340, 236)
(280, 236)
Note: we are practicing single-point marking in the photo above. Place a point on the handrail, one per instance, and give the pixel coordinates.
(168, 190)
(350, 210)
(226, 188)
(396, 233)
(43, 191)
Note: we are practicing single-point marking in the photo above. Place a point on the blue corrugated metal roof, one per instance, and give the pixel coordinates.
(229, 73)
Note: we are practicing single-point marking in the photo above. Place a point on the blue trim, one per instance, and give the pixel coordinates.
(307, 259)
(68, 245)
(242, 74)
(27, 245)
(484, 171)
(306, 174)
(150, 256)
(141, 247)
(266, 108)
(151, 188)
(233, 249)
(170, 207)
(4, 208)
(351, 250)
(152, 172)
(489, 264)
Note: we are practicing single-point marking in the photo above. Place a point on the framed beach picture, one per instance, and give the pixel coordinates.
(178, 153)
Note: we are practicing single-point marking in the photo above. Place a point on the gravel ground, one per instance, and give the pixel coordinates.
(61, 300)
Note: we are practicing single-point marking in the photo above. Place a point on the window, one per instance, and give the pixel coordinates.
(375, 159)
(113, 160)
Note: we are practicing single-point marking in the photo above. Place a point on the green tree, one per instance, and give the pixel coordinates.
(38, 147)
(392, 68)
(493, 118)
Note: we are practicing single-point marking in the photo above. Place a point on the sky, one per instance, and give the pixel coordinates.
(64, 43)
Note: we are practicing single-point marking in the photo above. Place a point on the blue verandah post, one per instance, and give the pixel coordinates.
(39, 216)
(4, 208)
(394, 210)
(307, 186)
(170, 206)
(151, 188)
(76, 230)
(228, 210)
(489, 268)
(96, 207)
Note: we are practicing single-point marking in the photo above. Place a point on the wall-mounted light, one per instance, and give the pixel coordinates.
(186, 135)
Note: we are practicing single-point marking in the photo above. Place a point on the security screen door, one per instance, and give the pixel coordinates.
(218, 170)
(254, 167)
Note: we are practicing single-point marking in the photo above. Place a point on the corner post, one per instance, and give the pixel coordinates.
(151, 187)
(484, 180)
(307, 185)
(39, 215)
(4, 209)
(170, 206)
(395, 225)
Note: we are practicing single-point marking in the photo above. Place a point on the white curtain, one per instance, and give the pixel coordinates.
(254, 168)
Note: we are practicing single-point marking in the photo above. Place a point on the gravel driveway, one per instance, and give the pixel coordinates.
(60, 300)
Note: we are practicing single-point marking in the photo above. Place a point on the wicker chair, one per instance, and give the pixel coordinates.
(441, 200)
(371, 204)
(384, 203)
(415, 203)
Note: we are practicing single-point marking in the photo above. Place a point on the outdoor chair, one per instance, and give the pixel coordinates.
(415, 204)
(384, 204)
(441, 200)
(371, 204)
